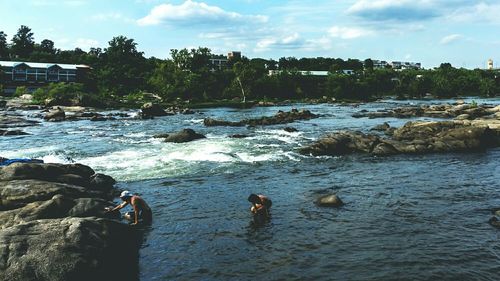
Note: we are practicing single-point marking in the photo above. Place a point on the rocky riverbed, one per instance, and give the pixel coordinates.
(54, 226)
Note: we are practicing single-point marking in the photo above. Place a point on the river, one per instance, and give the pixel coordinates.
(407, 217)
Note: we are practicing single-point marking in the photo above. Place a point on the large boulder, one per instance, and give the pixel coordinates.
(54, 227)
(69, 249)
(49, 172)
(152, 109)
(55, 115)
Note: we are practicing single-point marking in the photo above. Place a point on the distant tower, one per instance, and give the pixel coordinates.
(490, 64)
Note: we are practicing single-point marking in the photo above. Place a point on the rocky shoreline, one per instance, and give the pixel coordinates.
(474, 128)
(54, 226)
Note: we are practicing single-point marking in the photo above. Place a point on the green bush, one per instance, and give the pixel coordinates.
(21, 90)
(65, 94)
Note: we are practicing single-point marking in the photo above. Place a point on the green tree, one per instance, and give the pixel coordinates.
(47, 46)
(123, 68)
(4, 50)
(23, 42)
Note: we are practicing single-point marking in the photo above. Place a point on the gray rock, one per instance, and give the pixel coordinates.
(185, 135)
(68, 249)
(413, 137)
(382, 127)
(152, 109)
(49, 172)
(55, 115)
(279, 118)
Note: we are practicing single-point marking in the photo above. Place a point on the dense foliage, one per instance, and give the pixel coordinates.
(122, 73)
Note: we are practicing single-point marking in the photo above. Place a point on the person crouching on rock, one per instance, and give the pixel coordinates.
(141, 211)
(260, 209)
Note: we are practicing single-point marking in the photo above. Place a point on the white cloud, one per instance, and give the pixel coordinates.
(481, 12)
(289, 41)
(394, 10)
(450, 39)
(348, 32)
(195, 13)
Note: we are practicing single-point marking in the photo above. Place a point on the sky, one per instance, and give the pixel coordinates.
(465, 33)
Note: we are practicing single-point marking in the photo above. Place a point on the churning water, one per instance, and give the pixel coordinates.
(407, 217)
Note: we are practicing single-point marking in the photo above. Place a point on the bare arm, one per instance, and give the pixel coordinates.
(118, 207)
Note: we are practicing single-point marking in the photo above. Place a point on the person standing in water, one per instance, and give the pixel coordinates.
(260, 209)
(141, 209)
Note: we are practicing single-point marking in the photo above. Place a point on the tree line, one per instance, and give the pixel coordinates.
(120, 72)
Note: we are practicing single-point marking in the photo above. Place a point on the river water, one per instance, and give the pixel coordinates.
(407, 217)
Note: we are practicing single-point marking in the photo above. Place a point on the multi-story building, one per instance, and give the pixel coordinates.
(34, 75)
(397, 65)
(234, 55)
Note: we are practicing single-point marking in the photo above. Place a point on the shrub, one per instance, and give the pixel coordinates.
(21, 90)
(65, 94)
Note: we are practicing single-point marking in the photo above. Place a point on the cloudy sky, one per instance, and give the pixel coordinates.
(463, 32)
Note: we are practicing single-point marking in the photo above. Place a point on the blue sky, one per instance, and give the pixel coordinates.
(463, 32)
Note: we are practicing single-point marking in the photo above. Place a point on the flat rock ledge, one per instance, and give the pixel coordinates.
(279, 118)
(460, 112)
(412, 138)
(54, 228)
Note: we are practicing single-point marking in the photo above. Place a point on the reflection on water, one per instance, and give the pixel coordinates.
(407, 217)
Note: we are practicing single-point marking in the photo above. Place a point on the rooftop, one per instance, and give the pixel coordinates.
(42, 64)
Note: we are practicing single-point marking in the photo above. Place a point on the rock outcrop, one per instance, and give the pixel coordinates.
(10, 121)
(413, 137)
(12, 133)
(279, 118)
(54, 226)
(56, 115)
(150, 109)
(185, 135)
(459, 111)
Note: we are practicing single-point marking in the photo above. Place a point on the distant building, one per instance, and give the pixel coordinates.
(34, 75)
(396, 65)
(234, 55)
(489, 65)
(302, 72)
(218, 63)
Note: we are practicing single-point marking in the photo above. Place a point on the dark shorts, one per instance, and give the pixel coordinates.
(146, 216)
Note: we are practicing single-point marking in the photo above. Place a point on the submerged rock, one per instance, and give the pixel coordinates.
(290, 129)
(12, 133)
(238, 136)
(331, 200)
